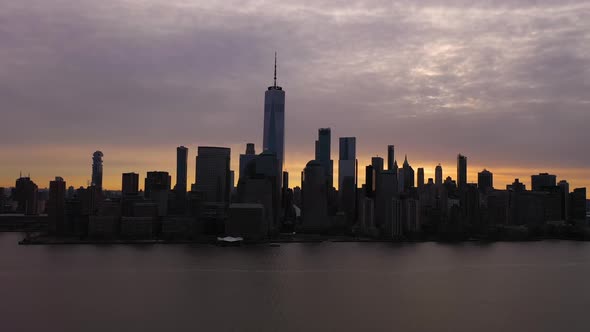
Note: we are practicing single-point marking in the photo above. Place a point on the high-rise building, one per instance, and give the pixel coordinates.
(347, 160)
(97, 169)
(461, 171)
(156, 181)
(578, 204)
(406, 176)
(377, 163)
(274, 121)
(323, 154)
(130, 184)
(246, 158)
(485, 180)
(25, 194)
(391, 158)
(314, 211)
(538, 182)
(181, 170)
(347, 177)
(420, 177)
(56, 206)
(564, 189)
(438, 175)
(213, 173)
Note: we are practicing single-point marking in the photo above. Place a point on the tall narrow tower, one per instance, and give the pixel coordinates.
(274, 121)
(97, 169)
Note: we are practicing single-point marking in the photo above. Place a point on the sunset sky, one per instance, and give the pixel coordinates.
(506, 83)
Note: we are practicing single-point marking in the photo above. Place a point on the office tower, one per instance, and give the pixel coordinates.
(323, 154)
(347, 159)
(274, 121)
(406, 175)
(377, 163)
(564, 189)
(181, 170)
(156, 181)
(213, 173)
(97, 170)
(157, 188)
(420, 177)
(246, 158)
(347, 177)
(578, 204)
(25, 194)
(314, 211)
(260, 184)
(461, 171)
(370, 178)
(56, 206)
(538, 182)
(485, 180)
(516, 186)
(385, 192)
(130, 184)
(391, 158)
(438, 175)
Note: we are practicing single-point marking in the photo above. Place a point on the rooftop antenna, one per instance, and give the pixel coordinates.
(275, 80)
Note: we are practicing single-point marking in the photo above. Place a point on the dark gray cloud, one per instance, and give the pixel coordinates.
(506, 81)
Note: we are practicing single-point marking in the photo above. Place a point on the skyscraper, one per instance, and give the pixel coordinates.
(323, 154)
(538, 182)
(391, 158)
(406, 176)
(156, 181)
(438, 175)
(56, 206)
(347, 161)
(130, 184)
(461, 171)
(246, 158)
(97, 169)
(485, 180)
(347, 178)
(181, 170)
(274, 121)
(213, 174)
(25, 194)
(420, 177)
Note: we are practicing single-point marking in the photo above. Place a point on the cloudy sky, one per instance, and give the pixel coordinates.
(506, 83)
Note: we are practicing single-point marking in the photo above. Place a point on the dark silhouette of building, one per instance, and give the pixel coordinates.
(564, 189)
(391, 158)
(420, 177)
(274, 121)
(97, 170)
(406, 176)
(213, 173)
(438, 175)
(156, 181)
(25, 194)
(578, 204)
(130, 184)
(181, 170)
(347, 178)
(246, 158)
(538, 182)
(314, 211)
(461, 171)
(56, 207)
(485, 180)
(323, 154)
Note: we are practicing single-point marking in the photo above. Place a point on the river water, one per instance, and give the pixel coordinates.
(534, 286)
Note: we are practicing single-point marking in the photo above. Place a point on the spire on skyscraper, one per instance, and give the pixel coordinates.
(275, 78)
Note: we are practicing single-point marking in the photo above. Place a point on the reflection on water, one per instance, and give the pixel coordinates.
(536, 286)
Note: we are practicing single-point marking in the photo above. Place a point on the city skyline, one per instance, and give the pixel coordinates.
(516, 106)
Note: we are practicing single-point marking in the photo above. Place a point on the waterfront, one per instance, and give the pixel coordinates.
(540, 286)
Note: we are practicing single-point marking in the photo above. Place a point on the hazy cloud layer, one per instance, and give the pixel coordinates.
(505, 83)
